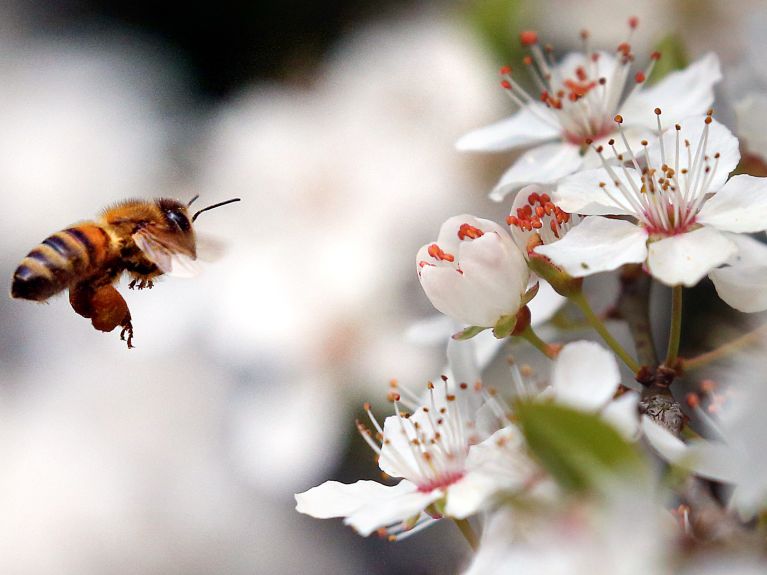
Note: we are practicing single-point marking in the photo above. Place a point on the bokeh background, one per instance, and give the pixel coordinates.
(335, 122)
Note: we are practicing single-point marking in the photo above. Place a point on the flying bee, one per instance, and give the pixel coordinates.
(146, 238)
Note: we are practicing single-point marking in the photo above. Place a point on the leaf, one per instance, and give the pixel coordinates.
(468, 333)
(580, 450)
(673, 57)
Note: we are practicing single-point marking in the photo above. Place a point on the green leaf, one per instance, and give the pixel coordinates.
(497, 23)
(469, 332)
(673, 57)
(580, 450)
(504, 326)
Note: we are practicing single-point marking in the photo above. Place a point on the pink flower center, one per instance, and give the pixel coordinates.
(440, 482)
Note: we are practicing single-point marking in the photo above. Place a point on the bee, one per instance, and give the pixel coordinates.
(145, 238)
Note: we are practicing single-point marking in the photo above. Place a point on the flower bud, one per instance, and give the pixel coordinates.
(474, 272)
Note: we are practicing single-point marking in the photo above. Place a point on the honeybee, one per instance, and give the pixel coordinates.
(146, 238)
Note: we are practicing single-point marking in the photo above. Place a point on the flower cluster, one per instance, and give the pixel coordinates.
(621, 176)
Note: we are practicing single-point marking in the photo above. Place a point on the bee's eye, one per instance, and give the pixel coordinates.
(179, 219)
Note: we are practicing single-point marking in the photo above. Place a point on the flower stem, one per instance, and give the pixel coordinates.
(548, 349)
(468, 533)
(723, 350)
(675, 333)
(583, 304)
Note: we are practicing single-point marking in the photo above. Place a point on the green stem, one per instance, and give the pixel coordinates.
(723, 350)
(549, 350)
(583, 304)
(675, 333)
(468, 533)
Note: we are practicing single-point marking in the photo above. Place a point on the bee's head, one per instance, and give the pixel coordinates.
(176, 215)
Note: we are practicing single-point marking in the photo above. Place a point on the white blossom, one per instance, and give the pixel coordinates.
(579, 97)
(683, 214)
(474, 272)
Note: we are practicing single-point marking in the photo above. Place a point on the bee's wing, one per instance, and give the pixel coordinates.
(210, 248)
(165, 253)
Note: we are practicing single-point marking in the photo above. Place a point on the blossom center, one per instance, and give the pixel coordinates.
(673, 183)
(542, 216)
(579, 102)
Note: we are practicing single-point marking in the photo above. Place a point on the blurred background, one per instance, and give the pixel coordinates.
(335, 123)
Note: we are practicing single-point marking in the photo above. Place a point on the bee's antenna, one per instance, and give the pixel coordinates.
(218, 205)
(193, 200)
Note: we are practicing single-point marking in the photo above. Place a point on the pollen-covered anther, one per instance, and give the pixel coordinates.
(437, 253)
(470, 232)
(393, 396)
(528, 37)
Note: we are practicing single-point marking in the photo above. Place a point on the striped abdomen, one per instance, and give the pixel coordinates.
(59, 260)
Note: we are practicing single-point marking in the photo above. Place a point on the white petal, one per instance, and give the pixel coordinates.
(684, 259)
(585, 375)
(680, 94)
(623, 414)
(523, 128)
(720, 140)
(498, 464)
(397, 458)
(740, 206)
(668, 445)
(743, 287)
(597, 244)
(712, 460)
(584, 193)
(387, 511)
(334, 499)
(471, 494)
(751, 114)
(541, 165)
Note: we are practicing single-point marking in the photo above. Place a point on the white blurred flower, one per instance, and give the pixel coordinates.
(738, 456)
(447, 467)
(751, 118)
(684, 213)
(586, 376)
(580, 96)
(474, 272)
(338, 179)
(625, 533)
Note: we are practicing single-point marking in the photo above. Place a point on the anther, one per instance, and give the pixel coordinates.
(618, 119)
(528, 38)
(505, 70)
(639, 77)
(657, 111)
(633, 22)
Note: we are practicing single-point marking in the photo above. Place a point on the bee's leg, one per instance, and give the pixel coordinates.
(105, 307)
(140, 282)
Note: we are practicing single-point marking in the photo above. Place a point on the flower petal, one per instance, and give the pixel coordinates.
(623, 414)
(709, 459)
(597, 244)
(720, 140)
(751, 114)
(686, 258)
(385, 511)
(522, 129)
(541, 165)
(593, 192)
(334, 499)
(680, 94)
(585, 375)
(743, 287)
(740, 206)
